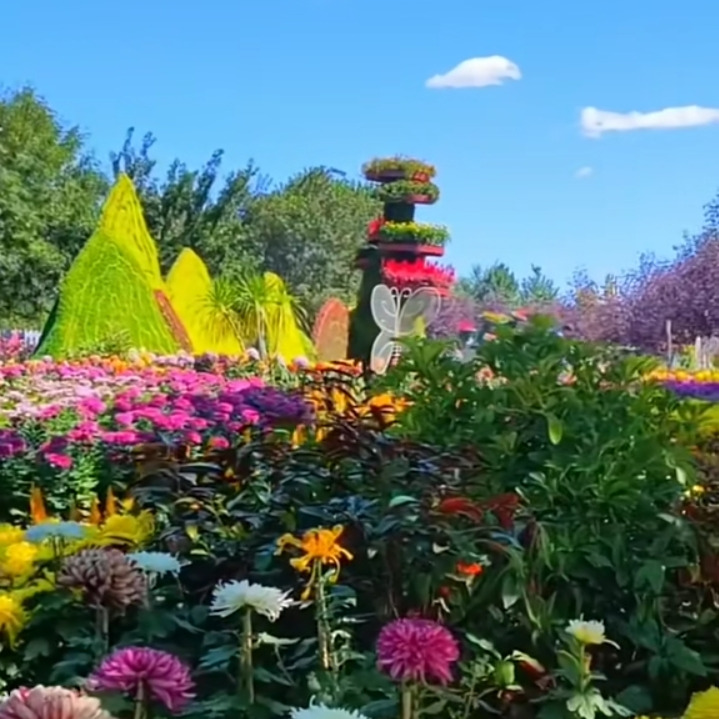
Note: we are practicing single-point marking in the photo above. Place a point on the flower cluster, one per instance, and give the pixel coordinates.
(417, 273)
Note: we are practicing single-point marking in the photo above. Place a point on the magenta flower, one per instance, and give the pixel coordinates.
(417, 650)
(146, 672)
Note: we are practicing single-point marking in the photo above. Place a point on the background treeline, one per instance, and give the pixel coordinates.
(307, 229)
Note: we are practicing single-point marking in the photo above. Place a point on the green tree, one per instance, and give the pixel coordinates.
(50, 193)
(193, 208)
(308, 232)
(538, 289)
(498, 286)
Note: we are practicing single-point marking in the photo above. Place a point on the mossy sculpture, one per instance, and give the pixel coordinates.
(394, 237)
(189, 287)
(113, 293)
(285, 339)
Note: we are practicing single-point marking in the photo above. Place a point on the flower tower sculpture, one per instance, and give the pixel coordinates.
(398, 248)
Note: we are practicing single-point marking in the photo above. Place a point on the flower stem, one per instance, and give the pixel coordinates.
(102, 630)
(407, 701)
(139, 710)
(247, 680)
(323, 630)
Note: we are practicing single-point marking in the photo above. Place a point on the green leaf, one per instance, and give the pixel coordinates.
(401, 499)
(268, 677)
(380, 708)
(35, 648)
(217, 659)
(555, 428)
(651, 574)
(637, 698)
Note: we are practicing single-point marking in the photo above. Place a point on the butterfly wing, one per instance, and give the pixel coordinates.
(383, 349)
(384, 307)
(420, 308)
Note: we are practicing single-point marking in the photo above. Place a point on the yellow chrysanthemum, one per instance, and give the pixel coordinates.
(10, 534)
(12, 616)
(704, 705)
(18, 559)
(128, 529)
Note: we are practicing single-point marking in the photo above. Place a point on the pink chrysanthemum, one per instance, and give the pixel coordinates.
(146, 672)
(50, 703)
(417, 650)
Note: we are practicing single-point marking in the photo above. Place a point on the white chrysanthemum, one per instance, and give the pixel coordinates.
(58, 530)
(588, 631)
(158, 563)
(320, 711)
(230, 597)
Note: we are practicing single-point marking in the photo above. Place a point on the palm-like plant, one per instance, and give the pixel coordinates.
(258, 310)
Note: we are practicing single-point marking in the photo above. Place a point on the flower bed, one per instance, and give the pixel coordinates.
(408, 191)
(407, 232)
(373, 562)
(390, 169)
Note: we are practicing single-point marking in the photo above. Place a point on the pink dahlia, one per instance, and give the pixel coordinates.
(417, 650)
(141, 671)
(50, 703)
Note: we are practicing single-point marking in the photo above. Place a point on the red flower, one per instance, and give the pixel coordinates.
(469, 570)
(462, 506)
(375, 226)
(417, 273)
(504, 507)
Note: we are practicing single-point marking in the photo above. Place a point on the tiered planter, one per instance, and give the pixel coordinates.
(395, 237)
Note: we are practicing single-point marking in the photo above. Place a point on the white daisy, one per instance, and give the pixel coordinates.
(230, 597)
(158, 563)
(320, 711)
(58, 530)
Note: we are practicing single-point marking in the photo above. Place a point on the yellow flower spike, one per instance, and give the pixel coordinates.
(38, 512)
(299, 436)
(13, 616)
(704, 705)
(110, 503)
(95, 517)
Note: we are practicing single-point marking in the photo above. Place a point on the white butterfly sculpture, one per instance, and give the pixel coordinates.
(398, 314)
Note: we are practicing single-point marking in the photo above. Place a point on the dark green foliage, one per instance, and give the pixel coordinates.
(600, 461)
(50, 192)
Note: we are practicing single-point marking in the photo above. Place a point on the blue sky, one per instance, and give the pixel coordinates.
(295, 83)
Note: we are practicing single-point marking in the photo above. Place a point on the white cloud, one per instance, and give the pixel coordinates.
(477, 72)
(596, 122)
(583, 172)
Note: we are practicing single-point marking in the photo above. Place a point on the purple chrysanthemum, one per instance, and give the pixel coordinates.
(417, 650)
(148, 672)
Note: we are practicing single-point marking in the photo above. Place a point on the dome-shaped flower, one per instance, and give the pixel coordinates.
(50, 703)
(417, 650)
(230, 597)
(105, 577)
(163, 676)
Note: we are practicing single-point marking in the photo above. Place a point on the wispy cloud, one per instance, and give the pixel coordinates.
(583, 172)
(596, 122)
(477, 72)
